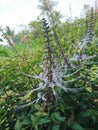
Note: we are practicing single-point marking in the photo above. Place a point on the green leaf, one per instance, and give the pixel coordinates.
(18, 125)
(43, 121)
(56, 127)
(38, 107)
(4, 53)
(57, 116)
(1, 70)
(36, 127)
(35, 120)
(41, 114)
(2, 120)
(37, 113)
(32, 118)
(1, 40)
(25, 122)
(76, 126)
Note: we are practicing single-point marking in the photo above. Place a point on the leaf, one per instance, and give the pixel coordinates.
(56, 115)
(35, 120)
(32, 118)
(2, 121)
(56, 127)
(25, 122)
(41, 114)
(86, 113)
(36, 127)
(76, 126)
(38, 107)
(1, 70)
(4, 53)
(18, 125)
(37, 113)
(43, 121)
(1, 40)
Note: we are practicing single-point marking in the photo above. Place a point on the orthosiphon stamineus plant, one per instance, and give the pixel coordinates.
(91, 32)
(87, 40)
(53, 75)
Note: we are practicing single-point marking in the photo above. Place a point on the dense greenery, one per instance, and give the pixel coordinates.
(75, 105)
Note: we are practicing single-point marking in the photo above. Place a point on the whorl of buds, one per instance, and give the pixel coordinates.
(91, 26)
(48, 63)
(48, 58)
